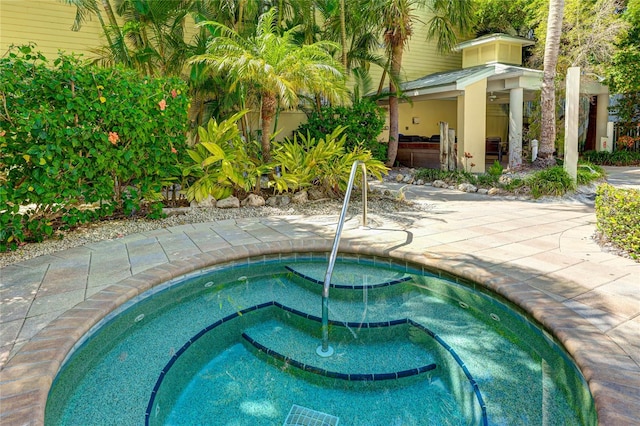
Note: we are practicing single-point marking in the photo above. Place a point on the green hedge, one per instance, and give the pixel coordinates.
(616, 158)
(80, 142)
(618, 217)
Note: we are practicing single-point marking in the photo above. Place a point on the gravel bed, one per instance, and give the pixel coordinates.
(382, 205)
(112, 229)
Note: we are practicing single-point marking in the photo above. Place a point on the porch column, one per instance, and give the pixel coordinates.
(516, 99)
(474, 127)
(460, 132)
(602, 117)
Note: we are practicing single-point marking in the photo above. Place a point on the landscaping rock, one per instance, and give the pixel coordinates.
(253, 200)
(493, 191)
(483, 191)
(399, 178)
(228, 203)
(467, 187)
(419, 182)
(439, 184)
(505, 180)
(278, 201)
(272, 201)
(408, 179)
(206, 203)
(175, 211)
(284, 200)
(316, 194)
(300, 197)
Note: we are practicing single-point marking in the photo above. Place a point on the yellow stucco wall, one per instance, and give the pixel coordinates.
(428, 115)
(288, 122)
(47, 23)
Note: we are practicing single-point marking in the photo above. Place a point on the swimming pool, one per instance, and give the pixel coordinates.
(235, 344)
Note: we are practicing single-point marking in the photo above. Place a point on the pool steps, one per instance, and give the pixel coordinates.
(481, 416)
(360, 286)
(275, 339)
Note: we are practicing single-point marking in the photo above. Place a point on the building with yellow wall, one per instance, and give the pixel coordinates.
(476, 89)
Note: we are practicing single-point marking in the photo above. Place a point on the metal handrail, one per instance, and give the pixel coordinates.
(324, 349)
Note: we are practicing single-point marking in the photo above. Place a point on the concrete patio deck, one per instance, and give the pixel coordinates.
(540, 255)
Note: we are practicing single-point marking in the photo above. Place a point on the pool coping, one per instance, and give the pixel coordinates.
(611, 374)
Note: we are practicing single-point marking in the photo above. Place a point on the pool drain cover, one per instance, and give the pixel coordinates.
(301, 416)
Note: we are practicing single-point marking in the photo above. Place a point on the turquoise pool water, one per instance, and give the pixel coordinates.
(235, 345)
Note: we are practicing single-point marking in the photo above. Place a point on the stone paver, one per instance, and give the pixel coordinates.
(540, 255)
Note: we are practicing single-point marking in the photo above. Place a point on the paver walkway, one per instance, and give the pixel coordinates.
(538, 254)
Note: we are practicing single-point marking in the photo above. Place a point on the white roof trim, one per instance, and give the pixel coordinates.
(492, 38)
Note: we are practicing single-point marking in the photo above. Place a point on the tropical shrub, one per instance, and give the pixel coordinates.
(554, 181)
(81, 142)
(617, 217)
(305, 161)
(363, 122)
(223, 163)
(486, 180)
(495, 169)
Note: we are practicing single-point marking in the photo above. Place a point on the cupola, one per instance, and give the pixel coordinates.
(491, 49)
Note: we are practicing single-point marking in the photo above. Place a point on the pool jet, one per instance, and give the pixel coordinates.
(324, 350)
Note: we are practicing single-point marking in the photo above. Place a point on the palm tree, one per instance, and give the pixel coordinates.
(274, 66)
(548, 94)
(359, 40)
(112, 32)
(156, 31)
(396, 19)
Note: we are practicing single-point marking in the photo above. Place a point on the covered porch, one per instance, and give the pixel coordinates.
(483, 104)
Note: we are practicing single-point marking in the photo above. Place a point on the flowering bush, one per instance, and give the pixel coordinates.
(74, 136)
(626, 142)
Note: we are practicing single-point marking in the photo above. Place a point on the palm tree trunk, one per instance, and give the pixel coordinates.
(394, 114)
(343, 34)
(105, 30)
(269, 104)
(239, 26)
(548, 95)
(123, 54)
(106, 5)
